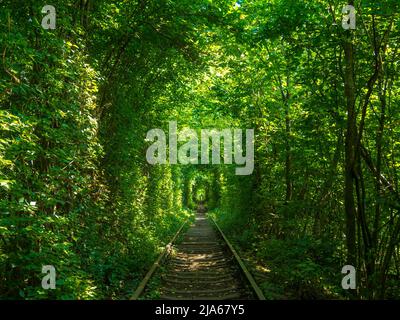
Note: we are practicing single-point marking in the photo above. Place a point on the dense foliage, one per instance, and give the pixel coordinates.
(76, 103)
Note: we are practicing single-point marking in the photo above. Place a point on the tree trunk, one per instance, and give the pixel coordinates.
(350, 149)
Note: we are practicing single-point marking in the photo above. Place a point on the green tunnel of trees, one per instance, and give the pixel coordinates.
(76, 191)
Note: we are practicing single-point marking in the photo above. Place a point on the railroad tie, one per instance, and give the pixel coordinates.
(200, 268)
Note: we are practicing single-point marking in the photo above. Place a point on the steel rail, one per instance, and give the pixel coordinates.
(156, 264)
(243, 267)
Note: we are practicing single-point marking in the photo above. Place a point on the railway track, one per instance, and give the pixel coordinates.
(204, 266)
